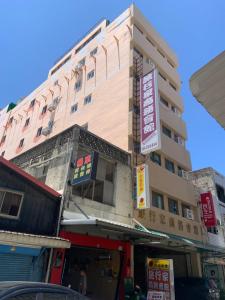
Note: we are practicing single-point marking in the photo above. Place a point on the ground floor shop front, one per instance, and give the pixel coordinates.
(185, 264)
(97, 263)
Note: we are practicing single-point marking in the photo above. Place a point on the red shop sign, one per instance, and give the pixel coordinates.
(208, 212)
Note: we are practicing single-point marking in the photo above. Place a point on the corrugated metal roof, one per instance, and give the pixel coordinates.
(32, 240)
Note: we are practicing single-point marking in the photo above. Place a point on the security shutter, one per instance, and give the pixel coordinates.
(15, 267)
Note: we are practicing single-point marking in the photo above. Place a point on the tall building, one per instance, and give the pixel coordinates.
(96, 85)
(207, 86)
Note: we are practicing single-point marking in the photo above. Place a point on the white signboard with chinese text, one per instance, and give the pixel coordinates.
(153, 295)
(161, 277)
(142, 176)
(149, 113)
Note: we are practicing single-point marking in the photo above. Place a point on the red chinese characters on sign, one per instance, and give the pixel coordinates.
(208, 212)
(149, 113)
(159, 280)
(160, 277)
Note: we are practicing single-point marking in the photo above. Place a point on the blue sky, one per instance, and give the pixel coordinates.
(34, 33)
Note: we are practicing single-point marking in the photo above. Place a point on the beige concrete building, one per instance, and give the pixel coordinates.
(208, 87)
(96, 85)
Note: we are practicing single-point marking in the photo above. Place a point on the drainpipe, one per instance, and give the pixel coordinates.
(57, 234)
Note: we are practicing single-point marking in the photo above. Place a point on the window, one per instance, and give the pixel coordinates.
(169, 165)
(91, 74)
(184, 210)
(160, 52)
(10, 120)
(180, 171)
(163, 101)
(27, 122)
(157, 200)
(156, 158)
(21, 143)
(166, 131)
(3, 153)
(39, 131)
(138, 29)
(220, 193)
(10, 203)
(170, 63)
(74, 108)
(173, 206)
(78, 85)
(150, 41)
(82, 62)
(87, 99)
(3, 139)
(173, 86)
(94, 51)
(109, 173)
(32, 103)
(162, 76)
(56, 82)
(44, 109)
(178, 139)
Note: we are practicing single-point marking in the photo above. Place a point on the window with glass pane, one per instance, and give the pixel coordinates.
(10, 203)
(180, 171)
(157, 200)
(166, 131)
(184, 209)
(173, 206)
(156, 158)
(25, 296)
(169, 165)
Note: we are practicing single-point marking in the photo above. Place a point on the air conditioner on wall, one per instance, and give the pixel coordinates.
(52, 106)
(47, 130)
(188, 213)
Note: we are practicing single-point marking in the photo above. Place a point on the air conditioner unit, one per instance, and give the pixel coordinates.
(79, 66)
(52, 106)
(46, 131)
(188, 213)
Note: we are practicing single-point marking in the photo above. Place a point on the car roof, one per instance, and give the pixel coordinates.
(7, 287)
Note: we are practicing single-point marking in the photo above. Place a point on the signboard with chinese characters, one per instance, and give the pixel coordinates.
(85, 168)
(153, 295)
(208, 211)
(160, 277)
(149, 113)
(142, 176)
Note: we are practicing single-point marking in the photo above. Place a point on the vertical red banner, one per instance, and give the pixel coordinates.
(149, 113)
(208, 211)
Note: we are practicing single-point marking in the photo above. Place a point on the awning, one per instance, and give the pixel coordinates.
(32, 240)
(125, 230)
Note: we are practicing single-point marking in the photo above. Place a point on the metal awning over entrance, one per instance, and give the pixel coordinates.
(104, 227)
(137, 234)
(31, 240)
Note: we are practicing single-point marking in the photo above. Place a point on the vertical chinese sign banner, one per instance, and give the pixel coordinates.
(208, 211)
(142, 176)
(149, 113)
(161, 277)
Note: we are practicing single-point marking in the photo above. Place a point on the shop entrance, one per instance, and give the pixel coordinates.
(100, 267)
(142, 252)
